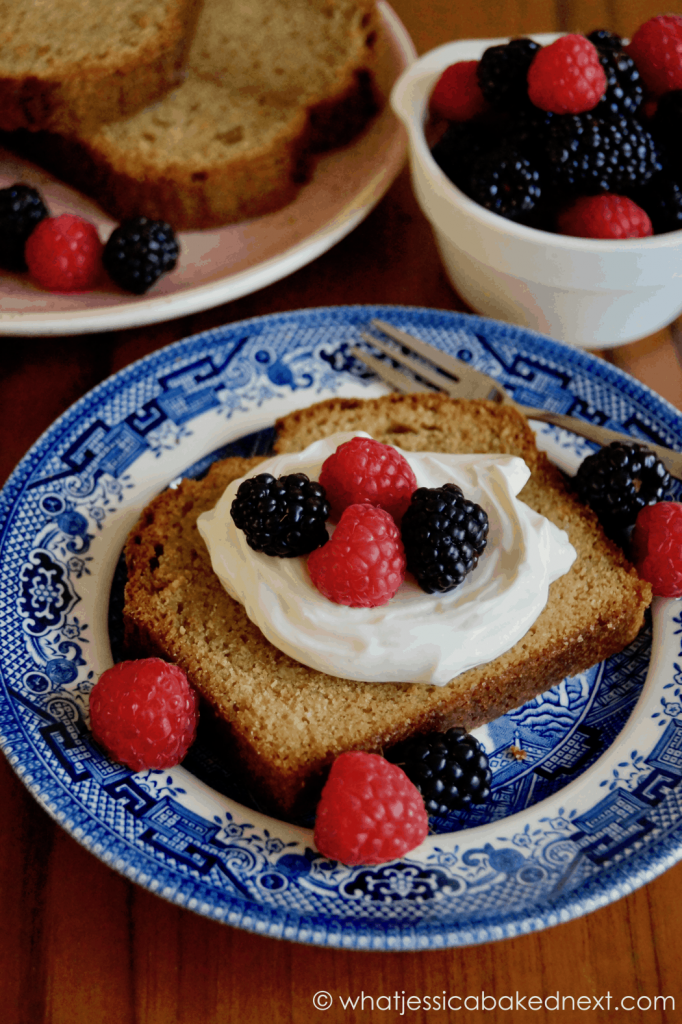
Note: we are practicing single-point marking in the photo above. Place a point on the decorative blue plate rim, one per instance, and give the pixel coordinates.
(64, 514)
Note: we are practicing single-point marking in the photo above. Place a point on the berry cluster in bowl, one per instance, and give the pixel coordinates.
(65, 253)
(581, 137)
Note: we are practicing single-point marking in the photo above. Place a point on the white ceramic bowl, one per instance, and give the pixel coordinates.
(589, 292)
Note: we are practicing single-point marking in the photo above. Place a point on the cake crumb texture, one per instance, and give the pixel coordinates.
(65, 64)
(284, 723)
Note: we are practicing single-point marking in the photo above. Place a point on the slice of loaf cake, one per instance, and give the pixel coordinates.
(284, 723)
(67, 64)
(266, 85)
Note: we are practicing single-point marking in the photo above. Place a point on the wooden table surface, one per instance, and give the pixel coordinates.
(78, 943)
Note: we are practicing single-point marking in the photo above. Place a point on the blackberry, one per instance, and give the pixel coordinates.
(21, 210)
(591, 154)
(624, 90)
(618, 481)
(666, 128)
(450, 770)
(443, 534)
(605, 40)
(502, 73)
(138, 252)
(661, 198)
(284, 517)
(530, 128)
(459, 147)
(507, 182)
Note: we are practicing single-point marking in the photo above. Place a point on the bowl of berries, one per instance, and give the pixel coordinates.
(550, 169)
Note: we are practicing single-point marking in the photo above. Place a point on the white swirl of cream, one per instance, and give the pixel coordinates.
(415, 637)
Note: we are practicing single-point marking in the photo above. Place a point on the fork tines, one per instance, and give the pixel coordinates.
(467, 382)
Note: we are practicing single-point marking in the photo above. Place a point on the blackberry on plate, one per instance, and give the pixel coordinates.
(507, 182)
(450, 769)
(618, 481)
(443, 534)
(624, 89)
(593, 154)
(138, 252)
(502, 73)
(284, 517)
(21, 210)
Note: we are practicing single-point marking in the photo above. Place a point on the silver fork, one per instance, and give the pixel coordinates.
(471, 383)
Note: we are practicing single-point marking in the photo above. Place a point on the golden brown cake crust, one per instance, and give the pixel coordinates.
(286, 722)
(66, 66)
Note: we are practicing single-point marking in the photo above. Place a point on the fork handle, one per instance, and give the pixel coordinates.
(602, 435)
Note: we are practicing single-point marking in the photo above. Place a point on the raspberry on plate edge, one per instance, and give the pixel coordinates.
(144, 713)
(64, 254)
(657, 547)
(369, 811)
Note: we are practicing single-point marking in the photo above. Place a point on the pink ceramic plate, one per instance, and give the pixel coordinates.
(220, 265)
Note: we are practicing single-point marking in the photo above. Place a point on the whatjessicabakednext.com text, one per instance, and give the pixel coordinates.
(402, 1003)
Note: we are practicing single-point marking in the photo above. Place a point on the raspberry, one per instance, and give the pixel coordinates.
(364, 563)
(369, 811)
(457, 95)
(657, 547)
(365, 472)
(604, 216)
(64, 254)
(566, 77)
(144, 713)
(656, 48)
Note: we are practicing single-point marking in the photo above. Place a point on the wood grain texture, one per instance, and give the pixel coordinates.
(81, 945)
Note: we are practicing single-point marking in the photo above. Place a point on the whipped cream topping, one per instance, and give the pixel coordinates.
(415, 637)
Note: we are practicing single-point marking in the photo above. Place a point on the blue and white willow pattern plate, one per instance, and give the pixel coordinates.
(587, 801)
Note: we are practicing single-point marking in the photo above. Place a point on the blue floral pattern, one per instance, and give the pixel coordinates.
(587, 800)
